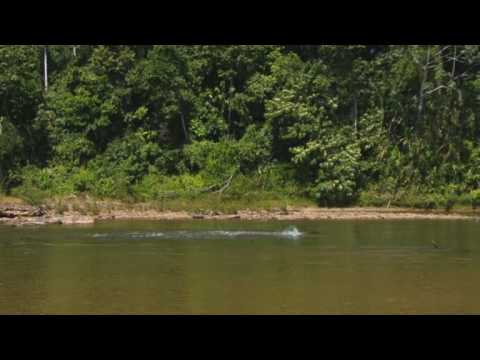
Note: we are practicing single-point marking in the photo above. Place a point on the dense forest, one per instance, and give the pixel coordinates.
(382, 125)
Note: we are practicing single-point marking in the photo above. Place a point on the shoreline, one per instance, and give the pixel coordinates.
(24, 215)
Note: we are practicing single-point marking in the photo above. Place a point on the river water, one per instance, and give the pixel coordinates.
(221, 267)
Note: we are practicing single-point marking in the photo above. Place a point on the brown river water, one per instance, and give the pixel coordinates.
(239, 267)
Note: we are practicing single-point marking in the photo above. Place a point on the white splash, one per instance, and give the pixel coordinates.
(100, 235)
(292, 232)
(145, 235)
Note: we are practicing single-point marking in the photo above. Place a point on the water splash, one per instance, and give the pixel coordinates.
(131, 235)
(293, 232)
(290, 232)
(100, 235)
(145, 235)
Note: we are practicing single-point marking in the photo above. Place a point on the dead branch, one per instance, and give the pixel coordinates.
(227, 184)
(222, 187)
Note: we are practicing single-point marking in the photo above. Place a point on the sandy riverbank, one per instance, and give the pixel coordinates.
(21, 215)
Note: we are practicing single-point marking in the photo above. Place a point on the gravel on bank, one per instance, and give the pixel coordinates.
(25, 215)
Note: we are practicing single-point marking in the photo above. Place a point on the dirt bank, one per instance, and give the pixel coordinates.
(23, 215)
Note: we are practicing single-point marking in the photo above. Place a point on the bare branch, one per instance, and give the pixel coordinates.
(436, 89)
(227, 184)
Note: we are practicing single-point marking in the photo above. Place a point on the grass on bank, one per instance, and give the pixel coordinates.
(4, 199)
(446, 201)
(82, 193)
(206, 204)
(84, 204)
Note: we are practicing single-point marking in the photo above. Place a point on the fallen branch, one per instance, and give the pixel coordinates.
(11, 212)
(6, 215)
(227, 184)
(170, 194)
(222, 187)
(209, 189)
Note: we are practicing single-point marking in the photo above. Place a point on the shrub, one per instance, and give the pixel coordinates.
(156, 186)
(214, 160)
(83, 181)
(38, 184)
(32, 196)
(74, 150)
(255, 148)
(374, 198)
(130, 156)
(336, 182)
(279, 178)
(475, 198)
(333, 164)
(113, 187)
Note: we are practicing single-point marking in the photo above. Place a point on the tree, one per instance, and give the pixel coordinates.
(20, 95)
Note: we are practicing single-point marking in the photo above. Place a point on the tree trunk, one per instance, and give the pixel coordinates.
(182, 117)
(454, 61)
(355, 113)
(421, 100)
(45, 68)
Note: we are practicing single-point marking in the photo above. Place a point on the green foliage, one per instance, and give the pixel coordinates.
(82, 181)
(280, 179)
(46, 182)
(475, 198)
(113, 187)
(10, 147)
(128, 157)
(155, 186)
(379, 125)
(74, 150)
(21, 139)
(333, 160)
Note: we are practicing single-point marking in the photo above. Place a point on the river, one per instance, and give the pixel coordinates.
(240, 267)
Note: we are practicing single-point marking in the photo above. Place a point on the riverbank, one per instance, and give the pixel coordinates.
(23, 214)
